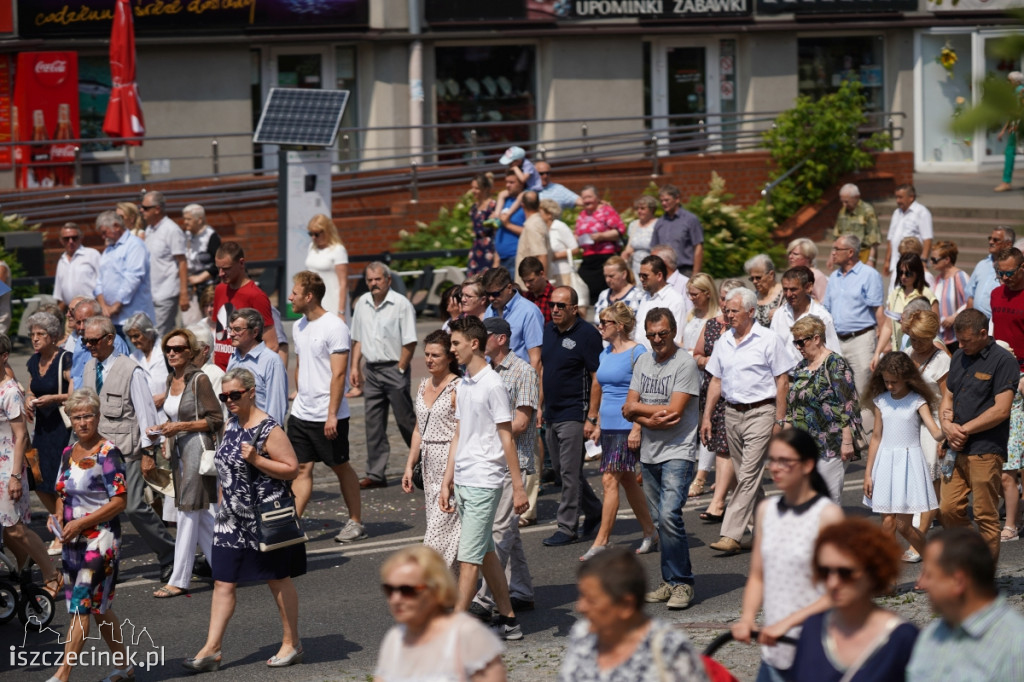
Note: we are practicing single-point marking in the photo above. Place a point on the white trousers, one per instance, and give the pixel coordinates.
(834, 473)
(194, 528)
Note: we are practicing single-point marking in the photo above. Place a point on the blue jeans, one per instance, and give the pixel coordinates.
(510, 265)
(665, 487)
(767, 673)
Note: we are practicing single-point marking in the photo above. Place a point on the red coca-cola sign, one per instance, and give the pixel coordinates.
(45, 117)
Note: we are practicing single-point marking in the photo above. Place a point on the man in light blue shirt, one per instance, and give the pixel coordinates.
(854, 297)
(565, 197)
(983, 280)
(978, 636)
(123, 287)
(246, 332)
(525, 318)
(80, 354)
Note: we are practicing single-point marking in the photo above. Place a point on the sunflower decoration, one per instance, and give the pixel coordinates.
(947, 59)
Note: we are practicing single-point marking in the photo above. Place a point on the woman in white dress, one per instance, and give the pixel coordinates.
(641, 231)
(701, 291)
(328, 258)
(563, 244)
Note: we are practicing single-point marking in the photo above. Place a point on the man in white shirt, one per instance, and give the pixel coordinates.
(750, 369)
(201, 244)
(910, 219)
(797, 285)
(654, 279)
(168, 269)
(481, 458)
(318, 425)
(77, 269)
(675, 279)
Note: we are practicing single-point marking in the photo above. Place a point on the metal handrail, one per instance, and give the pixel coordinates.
(769, 187)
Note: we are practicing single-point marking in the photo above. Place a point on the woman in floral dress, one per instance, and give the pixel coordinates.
(92, 495)
(481, 253)
(599, 231)
(435, 428)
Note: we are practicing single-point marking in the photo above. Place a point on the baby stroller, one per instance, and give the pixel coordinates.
(19, 595)
(715, 670)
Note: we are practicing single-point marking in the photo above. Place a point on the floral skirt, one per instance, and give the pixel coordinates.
(90, 571)
(1015, 446)
(615, 452)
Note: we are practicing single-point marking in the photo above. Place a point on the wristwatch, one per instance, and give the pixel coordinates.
(780, 422)
(592, 420)
(16, 477)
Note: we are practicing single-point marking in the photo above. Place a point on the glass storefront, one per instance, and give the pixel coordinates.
(824, 63)
(488, 84)
(945, 91)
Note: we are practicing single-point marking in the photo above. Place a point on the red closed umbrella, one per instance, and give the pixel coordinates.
(124, 110)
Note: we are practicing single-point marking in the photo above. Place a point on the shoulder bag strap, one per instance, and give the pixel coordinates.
(60, 372)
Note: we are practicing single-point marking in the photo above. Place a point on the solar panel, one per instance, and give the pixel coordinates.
(296, 116)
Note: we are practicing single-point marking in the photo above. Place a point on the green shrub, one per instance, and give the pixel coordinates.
(452, 229)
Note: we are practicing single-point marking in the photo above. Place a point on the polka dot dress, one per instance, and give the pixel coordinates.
(437, 428)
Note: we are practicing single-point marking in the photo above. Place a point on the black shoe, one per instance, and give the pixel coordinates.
(521, 605)
(547, 476)
(201, 569)
(590, 525)
(481, 612)
(559, 539)
(165, 573)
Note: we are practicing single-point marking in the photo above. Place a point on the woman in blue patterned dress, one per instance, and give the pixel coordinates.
(92, 494)
(254, 456)
(481, 254)
(823, 402)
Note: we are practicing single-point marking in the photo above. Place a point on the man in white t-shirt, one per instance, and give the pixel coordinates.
(168, 268)
(318, 425)
(481, 458)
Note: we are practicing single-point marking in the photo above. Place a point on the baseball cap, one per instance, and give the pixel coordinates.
(497, 325)
(512, 154)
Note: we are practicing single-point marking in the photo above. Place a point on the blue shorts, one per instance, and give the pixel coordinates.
(477, 508)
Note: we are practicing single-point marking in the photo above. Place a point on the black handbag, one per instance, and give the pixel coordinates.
(417, 474)
(277, 524)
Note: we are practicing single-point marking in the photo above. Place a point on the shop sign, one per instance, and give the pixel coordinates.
(45, 115)
(445, 11)
(976, 6)
(833, 6)
(93, 18)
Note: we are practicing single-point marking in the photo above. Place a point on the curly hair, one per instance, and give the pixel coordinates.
(903, 368)
(877, 552)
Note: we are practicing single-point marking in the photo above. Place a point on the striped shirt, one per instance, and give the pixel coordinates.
(523, 387)
(989, 645)
(952, 295)
(633, 298)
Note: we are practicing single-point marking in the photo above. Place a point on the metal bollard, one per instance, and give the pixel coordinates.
(542, 153)
(77, 180)
(586, 143)
(215, 157)
(654, 156)
(127, 165)
(415, 188)
(891, 125)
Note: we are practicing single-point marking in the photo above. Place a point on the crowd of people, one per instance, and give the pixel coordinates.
(680, 386)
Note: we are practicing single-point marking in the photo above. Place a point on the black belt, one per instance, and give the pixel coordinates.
(382, 364)
(853, 335)
(746, 407)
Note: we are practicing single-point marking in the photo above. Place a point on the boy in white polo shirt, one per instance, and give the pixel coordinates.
(482, 454)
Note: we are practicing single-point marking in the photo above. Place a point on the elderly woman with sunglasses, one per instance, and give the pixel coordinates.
(429, 641)
(143, 334)
(254, 462)
(950, 289)
(761, 273)
(823, 402)
(855, 640)
(194, 420)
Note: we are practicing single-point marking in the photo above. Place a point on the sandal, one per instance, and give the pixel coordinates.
(708, 517)
(696, 488)
(168, 591)
(57, 583)
(120, 675)
(1009, 534)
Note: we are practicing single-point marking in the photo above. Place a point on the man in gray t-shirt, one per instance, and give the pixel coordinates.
(662, 403)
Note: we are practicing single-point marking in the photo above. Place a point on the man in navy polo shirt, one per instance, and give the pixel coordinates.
(525, 318)
(569, 360)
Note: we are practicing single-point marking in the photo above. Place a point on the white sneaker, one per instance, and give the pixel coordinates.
(911, 556)
(351, 532)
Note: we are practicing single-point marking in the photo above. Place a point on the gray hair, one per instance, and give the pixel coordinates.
(83, 397)
(667, 254)
(109, 219)
(1016, 77)
(920, 303)
(1008, 233)
(241, 375)
(805, 246)
(92, 303)
(759, 261)
(748, 299)
(104, 324)
(157, 197)
(852, 241)
(849, 190)
(141, 322)
(378, 266)
(204, 337)
(195, 211)
(47, 322)
(730, 284)
(253, 320)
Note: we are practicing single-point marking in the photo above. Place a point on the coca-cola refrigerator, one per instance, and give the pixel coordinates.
(44, 116)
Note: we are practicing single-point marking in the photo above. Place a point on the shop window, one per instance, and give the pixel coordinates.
(945, 92)
(486, 84)
(824, 63)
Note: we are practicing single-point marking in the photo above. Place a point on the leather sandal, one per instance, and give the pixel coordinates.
(57, 585)
(168, 591)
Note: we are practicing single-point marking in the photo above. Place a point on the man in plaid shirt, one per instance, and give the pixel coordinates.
(538, 288)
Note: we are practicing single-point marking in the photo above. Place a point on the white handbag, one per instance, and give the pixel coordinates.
(207, 467)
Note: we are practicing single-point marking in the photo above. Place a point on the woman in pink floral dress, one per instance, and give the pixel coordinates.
(599, 231)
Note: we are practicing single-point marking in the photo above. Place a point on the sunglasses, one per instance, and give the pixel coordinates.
(176, 349)
(784, 463)
(93, 342)
(233, 396)
(605, 323)
(407, 591)
(935, 260)
(147, 208)
(906, 273)
(1006, 274)
(69, 239)
(993, 240)
(844, 573)
(659, 335)
(496, 294)
(314, 235)
(558, 305)
(799, 343)
(756, 278)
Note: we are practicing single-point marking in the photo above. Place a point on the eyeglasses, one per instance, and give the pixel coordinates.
(558, 305)
(147, 208)
(407, 591)
(83, 417)
(69, 239)
(784, 463)
(756, 278)
(93, 342)
(233, 396)
(844, 573)
(1006, 274)
(605, 323)
(496, 294)
(314, 235)
(238, 330)
(994, 240)
(176, 349)
(659, 335)
(799, 343)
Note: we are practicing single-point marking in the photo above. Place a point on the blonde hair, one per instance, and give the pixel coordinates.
(622, 265)
(923, 324)
(911, 245)
(809, 325)
(620, 313)
(551, 207)
(703, 282)
(132, 217)
(327, 225)
(436, 575)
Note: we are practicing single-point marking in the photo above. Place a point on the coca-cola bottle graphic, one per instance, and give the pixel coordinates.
(42, 173)
(62, 155)
(19, 154)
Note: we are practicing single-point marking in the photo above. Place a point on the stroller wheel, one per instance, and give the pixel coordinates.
(36, 611)
(8, 601)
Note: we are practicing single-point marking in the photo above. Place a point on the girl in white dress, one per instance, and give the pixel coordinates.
(898, 481)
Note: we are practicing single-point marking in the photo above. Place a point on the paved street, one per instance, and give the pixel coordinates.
(343, 615)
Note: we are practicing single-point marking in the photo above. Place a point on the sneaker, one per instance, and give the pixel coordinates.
(663, 593)
(509, 633)
(682, 595)
(649, 544)
(351, 532)
(911, 556)
(481, 612)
